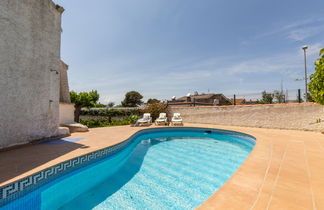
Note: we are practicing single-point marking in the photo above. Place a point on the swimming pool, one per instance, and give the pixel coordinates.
(167, 168)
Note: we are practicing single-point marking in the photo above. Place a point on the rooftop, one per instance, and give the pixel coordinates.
(238, 101)
(200, 96)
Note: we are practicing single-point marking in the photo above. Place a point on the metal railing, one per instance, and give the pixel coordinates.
(264, 97)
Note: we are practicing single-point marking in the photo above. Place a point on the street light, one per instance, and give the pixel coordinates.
(306, 94)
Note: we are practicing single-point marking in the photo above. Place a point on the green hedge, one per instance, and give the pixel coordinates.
(110, 112)
(103, 123)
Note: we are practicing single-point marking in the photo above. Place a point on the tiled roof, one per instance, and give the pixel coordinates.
(238, 100)
(201, 96)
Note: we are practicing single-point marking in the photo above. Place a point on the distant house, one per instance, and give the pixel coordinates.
(238, 101)
(202, 99)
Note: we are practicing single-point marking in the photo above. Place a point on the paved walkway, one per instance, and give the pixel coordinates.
(284, 171)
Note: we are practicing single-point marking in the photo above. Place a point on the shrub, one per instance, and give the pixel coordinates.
(111, 104)
(132, 119)
(267, 98)
(155, 109)
(110, 112)
(102, 123)
(99, 105)
(153, 101)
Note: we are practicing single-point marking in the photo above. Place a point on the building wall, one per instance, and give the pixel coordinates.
(66, 108)
(29, 48)
(285, 116)
(221, 99)
(205, 100)
(64, 84)
(66, 114)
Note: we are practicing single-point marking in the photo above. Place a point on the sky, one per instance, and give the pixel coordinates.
(165, 48)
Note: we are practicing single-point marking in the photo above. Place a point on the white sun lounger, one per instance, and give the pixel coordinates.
(146, 120)
(162, 119)
(176, 119)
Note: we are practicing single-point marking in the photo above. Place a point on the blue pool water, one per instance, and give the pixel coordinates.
(164, 169)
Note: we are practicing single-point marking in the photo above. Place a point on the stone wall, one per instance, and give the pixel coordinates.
(281, 116)
(29, 70)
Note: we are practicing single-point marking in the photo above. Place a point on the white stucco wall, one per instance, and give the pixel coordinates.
(66, 113)
(285, 116)
(64, 84)
(29, 92)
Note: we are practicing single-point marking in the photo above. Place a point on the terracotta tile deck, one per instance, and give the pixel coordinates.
(284, 171)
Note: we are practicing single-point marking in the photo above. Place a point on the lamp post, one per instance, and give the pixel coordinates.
(306, 92)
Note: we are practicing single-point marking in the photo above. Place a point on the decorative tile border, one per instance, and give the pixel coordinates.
(25, 185)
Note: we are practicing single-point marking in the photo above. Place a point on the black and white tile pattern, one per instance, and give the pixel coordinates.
(21, 187)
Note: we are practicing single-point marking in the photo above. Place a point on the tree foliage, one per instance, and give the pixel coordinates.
(132, 99)
(111, 104)
(110, 112)
(103, 123)
(267, 98)
(316, 84)
(309, 97)
(153, 101)
(279, 96)
(83, 99)
(155, 109)
(99, 105)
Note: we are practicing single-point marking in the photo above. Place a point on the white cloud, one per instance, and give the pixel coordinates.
(314, 49)
(304, 33)
(304, 22)
(283, 63)
(228, 75)
(297, 31)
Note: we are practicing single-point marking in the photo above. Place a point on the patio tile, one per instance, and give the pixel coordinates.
(290, 199)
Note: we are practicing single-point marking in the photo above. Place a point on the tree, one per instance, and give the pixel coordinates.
(111, 104)
(316, 84)
(267, 98)
(152, 101)
(132, 99)
(279, 96)
(83, 99)
(309, 97)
